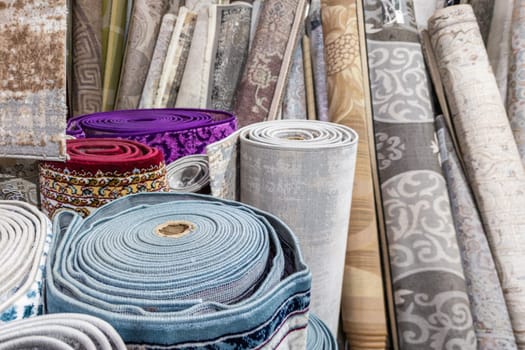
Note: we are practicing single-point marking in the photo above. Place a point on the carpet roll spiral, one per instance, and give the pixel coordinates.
(184, 271)
(62, 332)
(189, 174)
(25, 236)
(99, 171)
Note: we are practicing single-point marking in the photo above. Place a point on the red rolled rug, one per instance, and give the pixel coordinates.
(99, 171)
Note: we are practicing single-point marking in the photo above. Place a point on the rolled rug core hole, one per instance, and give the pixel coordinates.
(174, 229)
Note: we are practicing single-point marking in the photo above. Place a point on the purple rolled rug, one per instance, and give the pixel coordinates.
(177, 132)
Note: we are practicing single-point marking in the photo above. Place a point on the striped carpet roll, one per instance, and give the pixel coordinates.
(319, 336)
(25, 236)
(301, 171)
(99, 171)
(61, 331)
(177, 132)
(183, 271)
(189, 174)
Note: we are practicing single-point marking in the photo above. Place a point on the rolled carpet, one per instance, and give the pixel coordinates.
(19, 180)
(99, 171)
(183, 271)
(177, 132)
(363, 303)
(25, 236)
(319, 336)
(260, 92)
(144, 26)
(189, 174)
(489, 312)
(492, 162)
(60, 331)
(301, 171)
(516, 86)
(428, 280)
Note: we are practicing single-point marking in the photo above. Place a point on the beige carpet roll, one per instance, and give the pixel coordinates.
(492, 161)
(363, 306)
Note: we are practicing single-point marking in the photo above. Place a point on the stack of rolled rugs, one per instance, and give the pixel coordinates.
(365, 161)
(176, 132)
(236, 56)
(155, 270)
(450, 173)
(118, 274)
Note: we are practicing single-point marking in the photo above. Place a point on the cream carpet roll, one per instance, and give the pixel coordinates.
(149, 92)
(25, 236)
(493, 164)
(61, 331)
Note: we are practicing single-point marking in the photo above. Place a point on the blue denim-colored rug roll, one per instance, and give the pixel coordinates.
(319, 336)
(25, 237)
(60, 331)
(183, 271)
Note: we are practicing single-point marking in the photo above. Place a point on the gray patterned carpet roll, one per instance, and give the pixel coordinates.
(60, 332)
(483, 9)
(432, 304)
(86, 88)
(516, 86)
(492, 161)
(19, 180)
(491, 318)
(144, 25)
(25, 236)
(302, 172)
(228, 50)
(189, 174)
(315, 32)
